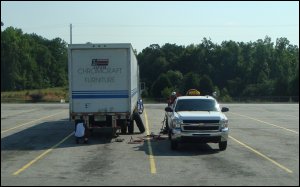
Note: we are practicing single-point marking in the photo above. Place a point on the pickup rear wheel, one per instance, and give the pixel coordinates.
(222, 146)
(169, 134)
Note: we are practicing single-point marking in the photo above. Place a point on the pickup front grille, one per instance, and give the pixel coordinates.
(199, 128)
(201, 121)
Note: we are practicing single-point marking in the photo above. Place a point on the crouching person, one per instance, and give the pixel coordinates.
(81, 131)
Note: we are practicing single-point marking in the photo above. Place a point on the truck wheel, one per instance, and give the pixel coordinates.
(113, 132)
(91, 131)
(222, 146)
(174, 144)
(123, 127)
(130, 127)
(139, 122)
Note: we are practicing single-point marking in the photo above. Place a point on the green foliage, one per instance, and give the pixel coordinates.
(145, 92)
(166, 92)
(29, 61)
(160, 84)
(224, 96)
(36, 95)
(206, 86)
(175, 78)
(237, 69)
(190, 81)
(294, 85)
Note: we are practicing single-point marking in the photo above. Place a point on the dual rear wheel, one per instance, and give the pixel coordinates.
(130, 124)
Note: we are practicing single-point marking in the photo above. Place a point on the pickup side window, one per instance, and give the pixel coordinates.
(196, 105)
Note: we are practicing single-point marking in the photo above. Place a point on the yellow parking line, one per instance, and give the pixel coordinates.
(262, 155)
(151, 157)
(29, 122)
(265, 122)
(41, 155)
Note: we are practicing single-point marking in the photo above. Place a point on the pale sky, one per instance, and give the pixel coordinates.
(155, 22)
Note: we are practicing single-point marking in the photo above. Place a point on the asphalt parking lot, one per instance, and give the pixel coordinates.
(38, 148)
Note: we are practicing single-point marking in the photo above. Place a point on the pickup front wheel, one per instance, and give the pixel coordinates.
(169, 134)
(222, 146)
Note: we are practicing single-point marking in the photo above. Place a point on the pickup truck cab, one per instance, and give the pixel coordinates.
(197, 119)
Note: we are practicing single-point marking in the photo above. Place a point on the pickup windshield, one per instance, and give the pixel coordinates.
(196, 105)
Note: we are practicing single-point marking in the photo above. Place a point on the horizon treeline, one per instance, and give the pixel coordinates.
(231, 69)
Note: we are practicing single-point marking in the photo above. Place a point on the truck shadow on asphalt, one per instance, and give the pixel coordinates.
(45, 135)
(163, 148)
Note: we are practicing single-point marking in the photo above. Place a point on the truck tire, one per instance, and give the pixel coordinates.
(130, 127)
(113, 133)
(174, 144)
(139, 123)
(223, 145)
(123, 126)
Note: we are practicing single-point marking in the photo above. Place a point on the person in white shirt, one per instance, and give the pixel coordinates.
(81, 131)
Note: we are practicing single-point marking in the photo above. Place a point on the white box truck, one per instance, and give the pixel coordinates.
(104, 86)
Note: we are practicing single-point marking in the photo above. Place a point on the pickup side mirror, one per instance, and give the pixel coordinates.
(168, 109)
(225, 109)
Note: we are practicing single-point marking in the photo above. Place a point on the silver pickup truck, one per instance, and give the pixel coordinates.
(197, 119)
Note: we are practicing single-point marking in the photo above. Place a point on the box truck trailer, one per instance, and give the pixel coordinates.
(104, 86)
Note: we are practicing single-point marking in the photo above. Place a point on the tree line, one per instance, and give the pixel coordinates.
(29, 61)
(231, 69)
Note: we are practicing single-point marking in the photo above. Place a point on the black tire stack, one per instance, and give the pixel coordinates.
(139, 123)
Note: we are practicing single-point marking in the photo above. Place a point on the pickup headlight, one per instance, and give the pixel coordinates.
(224, 123)
(177, 123)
